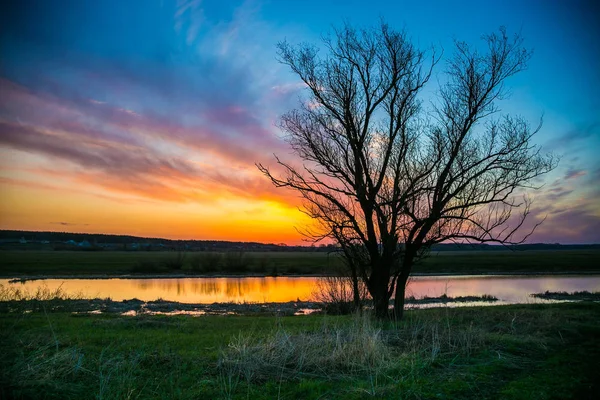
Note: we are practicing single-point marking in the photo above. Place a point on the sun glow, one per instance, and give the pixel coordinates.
(31, 206)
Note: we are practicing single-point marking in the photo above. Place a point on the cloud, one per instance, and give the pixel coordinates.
(67, 189)
(131, 164)
(575, 136)
(569, 226)
(288, 88)
(574, 173)
(557, 193)
(28, 184)
(189, 17)
(108, 157)
(181, 120)
(68, 224)
(166, 115)
(149, 153)
(594, 176)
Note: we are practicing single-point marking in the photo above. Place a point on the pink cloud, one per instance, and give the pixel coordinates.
(112, 147)
(574, 173)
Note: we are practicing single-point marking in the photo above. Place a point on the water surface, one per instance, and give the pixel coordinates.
(507, 288)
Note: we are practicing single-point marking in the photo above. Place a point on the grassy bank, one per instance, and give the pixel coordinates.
(20, 263)
(511, 352)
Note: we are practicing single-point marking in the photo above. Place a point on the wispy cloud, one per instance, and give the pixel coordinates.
(136, 170)
(68, 223)
(177, 121)
(189, 17)
(575, 136)
(574, 173)
(570, 226)
(556, 194)
(142, 151)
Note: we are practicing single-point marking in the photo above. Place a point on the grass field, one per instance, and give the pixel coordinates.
(505, 352)
(18, 263)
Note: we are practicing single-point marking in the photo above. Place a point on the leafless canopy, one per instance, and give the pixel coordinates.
(387, 175)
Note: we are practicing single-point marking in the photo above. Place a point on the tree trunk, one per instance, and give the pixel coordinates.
(401, 292)
(399, 299)
(381, 303)
(356, 290)
(378, 288)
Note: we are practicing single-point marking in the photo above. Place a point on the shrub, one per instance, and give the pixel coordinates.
(206, 262)
(175, 261)
(235, 261)
(147, 267)
(261, 264)
(337, 295)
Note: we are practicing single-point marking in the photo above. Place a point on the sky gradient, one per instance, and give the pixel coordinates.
(147, 117)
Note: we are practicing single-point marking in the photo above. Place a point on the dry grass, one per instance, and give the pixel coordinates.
(337, 294)
(45, 369)
(511, 352)
(42, 293)
(42, 299)
(429, 338)
(57, 371)
(362, 348)
(329, 352)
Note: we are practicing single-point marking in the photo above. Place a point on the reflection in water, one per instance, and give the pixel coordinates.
(509, 289)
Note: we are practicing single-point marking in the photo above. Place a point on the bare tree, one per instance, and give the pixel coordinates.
(386, 177)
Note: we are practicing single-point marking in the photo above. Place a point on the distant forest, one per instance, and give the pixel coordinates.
(126, 241)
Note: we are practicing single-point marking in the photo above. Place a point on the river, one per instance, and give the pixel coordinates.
(507, 288)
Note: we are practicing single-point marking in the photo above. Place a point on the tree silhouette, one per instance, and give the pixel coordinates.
(386, 177)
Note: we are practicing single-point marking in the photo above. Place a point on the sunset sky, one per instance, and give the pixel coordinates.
(147, 117)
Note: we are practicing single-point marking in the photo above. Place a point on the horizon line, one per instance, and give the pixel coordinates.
(280, 243)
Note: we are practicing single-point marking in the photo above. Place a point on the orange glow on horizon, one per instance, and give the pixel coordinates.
(45, 208)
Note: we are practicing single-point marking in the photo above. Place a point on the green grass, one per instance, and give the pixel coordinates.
(513, 261)
(18, 263)
(121, 262)
(505, 352)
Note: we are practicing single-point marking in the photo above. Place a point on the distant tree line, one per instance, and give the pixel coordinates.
(13, 236)
(127, 242)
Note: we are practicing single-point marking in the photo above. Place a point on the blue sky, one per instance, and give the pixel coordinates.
(165, 106)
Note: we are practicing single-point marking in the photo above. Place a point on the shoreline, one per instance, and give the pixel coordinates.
(136, 307)
(26, 278)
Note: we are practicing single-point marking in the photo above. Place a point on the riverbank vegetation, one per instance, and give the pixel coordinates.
(13, 299)
(512, 352)
(573, 296)
(59, 263)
